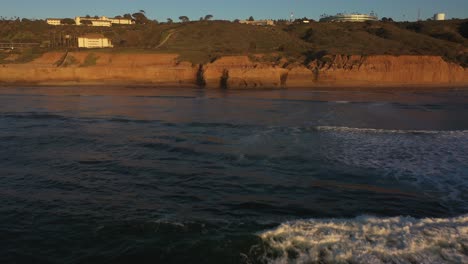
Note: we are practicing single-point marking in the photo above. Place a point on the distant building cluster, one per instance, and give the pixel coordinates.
(93, 21)
(349, 18)
(258, 22)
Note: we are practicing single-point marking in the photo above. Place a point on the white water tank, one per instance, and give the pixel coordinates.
(439, 16)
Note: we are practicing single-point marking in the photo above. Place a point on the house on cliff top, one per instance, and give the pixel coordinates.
(54, 21)
(94, 41)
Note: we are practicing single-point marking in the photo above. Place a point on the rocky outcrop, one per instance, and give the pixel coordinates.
(234, 71)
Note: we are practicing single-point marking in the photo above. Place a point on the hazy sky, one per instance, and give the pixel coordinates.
(232, 9)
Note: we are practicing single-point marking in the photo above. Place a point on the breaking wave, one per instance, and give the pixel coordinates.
(368, 239)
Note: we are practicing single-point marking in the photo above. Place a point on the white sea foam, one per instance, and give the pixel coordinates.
(433, 161)
(390, 131)
(368, 239)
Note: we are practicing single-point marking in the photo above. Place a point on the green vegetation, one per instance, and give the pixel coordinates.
(201, 42)
(90, 60)
(206, 40)
(69, 61)
(140, 18)
(3, 56)
(68, 21)
(375, 38)
(184, 19)
(20, 55)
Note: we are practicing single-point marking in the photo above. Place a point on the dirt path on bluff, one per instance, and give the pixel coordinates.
(166, 39)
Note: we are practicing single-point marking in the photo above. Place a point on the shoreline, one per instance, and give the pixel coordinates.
(334, 86)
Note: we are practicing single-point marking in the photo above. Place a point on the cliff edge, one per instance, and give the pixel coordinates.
(83, 68)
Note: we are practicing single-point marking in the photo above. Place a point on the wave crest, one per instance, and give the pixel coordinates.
(369, 240)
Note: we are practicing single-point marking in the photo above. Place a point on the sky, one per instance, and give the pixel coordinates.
(232, 9)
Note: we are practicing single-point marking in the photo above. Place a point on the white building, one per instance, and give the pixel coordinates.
(94, 41)
(439, 17)
(100, 23)
(54, 21)
(104, 21)
(349, 18)
(121, 21)
(258, 22)
(94, 21)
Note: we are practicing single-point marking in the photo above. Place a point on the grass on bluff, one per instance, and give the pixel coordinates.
(90, 60)
(376, 38)
(202, 42)
(205, 41)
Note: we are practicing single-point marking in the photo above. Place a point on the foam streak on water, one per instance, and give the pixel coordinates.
(389, 131)
(369, 239)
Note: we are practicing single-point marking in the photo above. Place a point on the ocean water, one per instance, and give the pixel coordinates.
(143, 175)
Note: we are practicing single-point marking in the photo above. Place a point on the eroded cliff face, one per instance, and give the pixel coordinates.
(233, 71)
(240, 72)
(388, 70)
(115, 69)
(339, 71)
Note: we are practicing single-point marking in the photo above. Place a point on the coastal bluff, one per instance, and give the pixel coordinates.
(96, 68)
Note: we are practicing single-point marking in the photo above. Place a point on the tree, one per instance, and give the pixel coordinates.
(86, 22)
(127, 16)
(88, 16)
(170, 21)
(184, 19)
(208, 17)
(67, 21)
(96, 17)
(236, 21)
(251, 18)
(140, 18)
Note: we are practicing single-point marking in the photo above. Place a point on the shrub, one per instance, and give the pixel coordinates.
(463, 29)
(308, 35)
(416, 27)
(90, 60)
(70, 61)
(448, 36)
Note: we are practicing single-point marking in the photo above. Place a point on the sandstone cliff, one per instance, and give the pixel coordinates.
(233, 71)
(116, 69)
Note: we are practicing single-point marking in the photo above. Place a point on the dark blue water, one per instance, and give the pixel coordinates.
(101, 175)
